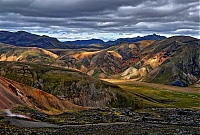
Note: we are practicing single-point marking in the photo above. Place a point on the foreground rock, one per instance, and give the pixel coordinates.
(114, 121)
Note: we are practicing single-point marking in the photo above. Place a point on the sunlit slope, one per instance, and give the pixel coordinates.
(26, 54)
(105, 63)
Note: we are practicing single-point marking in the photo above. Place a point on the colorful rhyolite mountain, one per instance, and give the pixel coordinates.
(174, 60)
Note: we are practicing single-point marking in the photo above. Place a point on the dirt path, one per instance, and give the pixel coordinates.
(26, 123)
(153, 85)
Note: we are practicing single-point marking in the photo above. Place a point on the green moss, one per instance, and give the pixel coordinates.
(165, 76)
(147, 97)
(96, 73)
(122, 100)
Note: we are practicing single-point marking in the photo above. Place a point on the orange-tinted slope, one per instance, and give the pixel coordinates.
(13, 94)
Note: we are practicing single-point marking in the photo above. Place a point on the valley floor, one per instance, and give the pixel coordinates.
(153, 85)
(148, 95)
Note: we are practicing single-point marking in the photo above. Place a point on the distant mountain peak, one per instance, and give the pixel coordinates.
(26, 39)
(21, 32)
(86, 43)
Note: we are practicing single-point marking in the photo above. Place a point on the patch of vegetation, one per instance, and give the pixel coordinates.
(122, 100)
(96, 73)
(165, 76)
(147, 97)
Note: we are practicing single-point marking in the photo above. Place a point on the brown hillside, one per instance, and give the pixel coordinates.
(13, 94)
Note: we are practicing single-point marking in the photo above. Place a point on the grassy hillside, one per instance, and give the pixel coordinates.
(71, 85)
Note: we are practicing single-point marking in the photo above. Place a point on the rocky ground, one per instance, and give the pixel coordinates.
(106, 121)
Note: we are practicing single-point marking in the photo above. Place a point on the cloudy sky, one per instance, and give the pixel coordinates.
(105, 19)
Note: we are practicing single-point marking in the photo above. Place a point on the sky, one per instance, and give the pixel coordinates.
(70, 20)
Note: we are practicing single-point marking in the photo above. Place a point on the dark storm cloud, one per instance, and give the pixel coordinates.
(184, 1)
(81, 17)
(62, 8)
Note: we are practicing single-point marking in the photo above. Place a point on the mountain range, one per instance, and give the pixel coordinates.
(25, 39)
(173, 60)
(92, 42)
